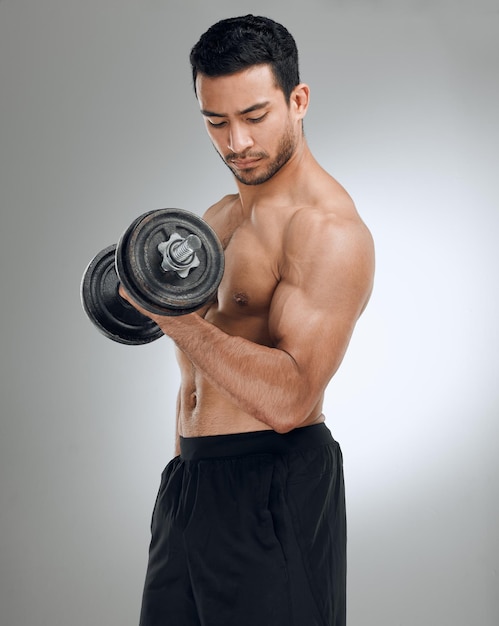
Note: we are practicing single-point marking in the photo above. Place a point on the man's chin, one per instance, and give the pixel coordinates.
(249, 180)
(250, 177)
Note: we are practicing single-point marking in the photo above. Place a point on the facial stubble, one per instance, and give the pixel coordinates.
(285, 151)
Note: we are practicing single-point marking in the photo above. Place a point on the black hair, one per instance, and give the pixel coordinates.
(236, 43)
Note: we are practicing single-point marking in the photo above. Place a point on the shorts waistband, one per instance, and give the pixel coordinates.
(259, 442)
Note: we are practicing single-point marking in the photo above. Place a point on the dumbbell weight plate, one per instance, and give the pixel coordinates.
(138, 263)
(113, 316)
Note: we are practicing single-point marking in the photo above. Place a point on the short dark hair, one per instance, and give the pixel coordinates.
(236, 43)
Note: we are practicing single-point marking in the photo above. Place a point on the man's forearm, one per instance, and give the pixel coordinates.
(262, 381)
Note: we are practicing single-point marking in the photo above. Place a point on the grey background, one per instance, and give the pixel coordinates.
(98, 124)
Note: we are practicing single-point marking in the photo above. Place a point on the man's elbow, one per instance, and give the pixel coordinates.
(294, 414)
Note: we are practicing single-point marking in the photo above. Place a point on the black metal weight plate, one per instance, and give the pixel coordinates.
(138, 263)
(112, 315)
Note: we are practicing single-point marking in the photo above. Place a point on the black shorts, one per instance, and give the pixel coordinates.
(249, 530)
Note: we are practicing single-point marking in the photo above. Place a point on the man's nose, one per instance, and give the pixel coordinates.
(239, 139)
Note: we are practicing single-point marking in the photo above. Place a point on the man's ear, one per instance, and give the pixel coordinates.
(299, 100)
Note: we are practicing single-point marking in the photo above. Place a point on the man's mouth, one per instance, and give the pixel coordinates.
(244, 164)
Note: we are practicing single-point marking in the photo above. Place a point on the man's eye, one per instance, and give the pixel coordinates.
(256, 120)
(217, 124)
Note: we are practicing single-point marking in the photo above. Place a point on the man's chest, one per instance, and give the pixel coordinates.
(251, 272)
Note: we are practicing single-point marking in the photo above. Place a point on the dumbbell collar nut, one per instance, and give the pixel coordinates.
(179, 254)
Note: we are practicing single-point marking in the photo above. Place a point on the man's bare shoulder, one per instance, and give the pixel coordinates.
(329, 238)
(214, 211)
(332, 215)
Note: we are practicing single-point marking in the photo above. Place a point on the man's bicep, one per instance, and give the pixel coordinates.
(310, 330)
(318, 301)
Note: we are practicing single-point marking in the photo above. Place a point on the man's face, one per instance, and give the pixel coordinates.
(249, 122)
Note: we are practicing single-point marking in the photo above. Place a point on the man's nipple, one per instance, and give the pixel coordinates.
(240, 298)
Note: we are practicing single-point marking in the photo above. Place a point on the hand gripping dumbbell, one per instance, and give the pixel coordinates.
(170, 261)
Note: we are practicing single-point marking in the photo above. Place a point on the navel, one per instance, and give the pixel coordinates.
(193, 400)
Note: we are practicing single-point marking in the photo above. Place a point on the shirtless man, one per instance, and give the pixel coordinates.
(249, 525)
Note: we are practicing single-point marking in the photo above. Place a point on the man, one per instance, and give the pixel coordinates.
(249, 525)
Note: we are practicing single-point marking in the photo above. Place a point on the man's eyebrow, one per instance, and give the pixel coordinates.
(254, 107)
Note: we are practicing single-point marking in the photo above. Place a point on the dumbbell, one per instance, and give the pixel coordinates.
(170, 261)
